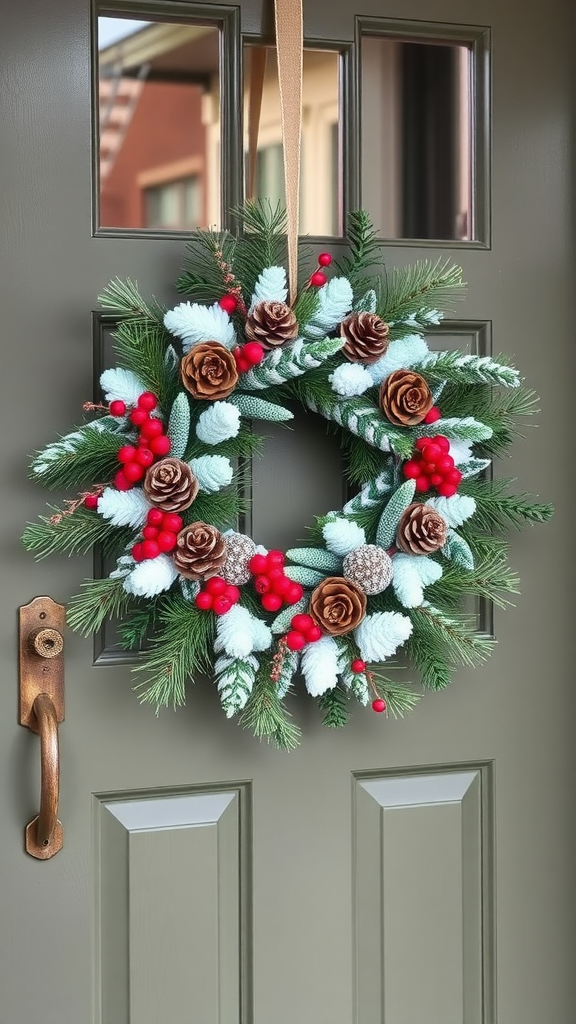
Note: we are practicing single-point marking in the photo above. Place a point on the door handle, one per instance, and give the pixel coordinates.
(41, 709)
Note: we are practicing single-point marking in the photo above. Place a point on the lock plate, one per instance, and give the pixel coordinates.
(42, 623)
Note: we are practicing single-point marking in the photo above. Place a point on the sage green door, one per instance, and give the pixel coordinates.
(411, 872)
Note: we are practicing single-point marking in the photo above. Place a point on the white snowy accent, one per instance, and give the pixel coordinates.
(379, 636)
(151, 577)
(401, 355)
(367, 304)
(270, 287)
(334, 303)
(124, 508)
(212, 472)
(350, 379)
(343, 536)
(121, 385)
(427, 316)
(124, 565)
(193, 323)
(320, 666)
(410, 574)
(218, 423)
(461, 451)
(455, 510)
(238, 633)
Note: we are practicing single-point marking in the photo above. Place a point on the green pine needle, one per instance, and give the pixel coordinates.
(496, 510)
(98, 600)
(491, 579)
(78, 458)
(141, 347)
(440, 642)
(123, 301)
(75, 534)
(267, 717)
(334, 705)
(422, 285)
(134, 630)
(262, 242)
(177, 653)
(399, 697)
(365, 251)
(209, 254)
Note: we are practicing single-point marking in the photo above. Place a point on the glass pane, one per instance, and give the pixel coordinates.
(417, 138)
(159, 124)
(320, 172)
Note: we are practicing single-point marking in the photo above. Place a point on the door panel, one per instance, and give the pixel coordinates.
(411, 872)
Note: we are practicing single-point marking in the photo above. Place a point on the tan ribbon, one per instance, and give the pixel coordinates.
(289, 47)
(257, 73)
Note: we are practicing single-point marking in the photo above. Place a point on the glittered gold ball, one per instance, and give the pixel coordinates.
(369, 567)
(239, 551)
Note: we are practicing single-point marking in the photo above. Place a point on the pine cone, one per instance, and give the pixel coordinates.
(239, 551)
(209, 371)
(366, 337)
(369, 567)
(171, 485)
(337, 605)
(271, 323)
(200, 551)
(405, 398)
(421, 530)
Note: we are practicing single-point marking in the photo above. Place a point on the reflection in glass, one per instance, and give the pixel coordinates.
(159, 125)
(417, 138)
(320, 173)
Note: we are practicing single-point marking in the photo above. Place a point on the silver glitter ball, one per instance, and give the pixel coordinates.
(369, 567)
(239, 551)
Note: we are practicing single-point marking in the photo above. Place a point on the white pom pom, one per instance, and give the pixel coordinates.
(218, 423)
(343, 536)
(320, 666)
(401, 355)
(350, 379)
(151, 577)
(124, 508)
(212, 472)
(121, 385)
(270, 287)
(379, 636)
(193, 323)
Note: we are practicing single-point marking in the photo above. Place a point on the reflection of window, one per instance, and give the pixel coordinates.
(270, 173)
(174, 204)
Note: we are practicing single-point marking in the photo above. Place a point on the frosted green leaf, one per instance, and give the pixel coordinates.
(301, 574)
(179, 425)
(315, 558)
(457, 549)
(398, 503)
(257, 409)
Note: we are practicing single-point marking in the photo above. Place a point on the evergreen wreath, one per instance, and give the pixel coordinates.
(158, 478)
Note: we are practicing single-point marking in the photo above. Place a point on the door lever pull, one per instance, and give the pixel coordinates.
(41, 708)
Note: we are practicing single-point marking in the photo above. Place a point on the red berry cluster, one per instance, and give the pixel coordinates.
(152, 441)
(432, 466)
(304, 631)
(158, 536)
(248, 355)
(271, 582)
(217, 596)
(318, 278)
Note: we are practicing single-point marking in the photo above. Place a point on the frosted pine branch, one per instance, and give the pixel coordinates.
(290, 361)
(467, 369)
(361, 417)
(235, 680)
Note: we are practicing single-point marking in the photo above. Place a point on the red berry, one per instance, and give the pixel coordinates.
(147, 401)
(171, 521)
(244, 363)
(433, 415)
(166, 540)
(253, 352)
(120, 482)
(411, 469)
(257, 564)
(295, 640)
(216, 586)
(262, 584)
(275, 558)
(423, 484)
(150, 533)
(232, 593)
(313, 634)
(271, 602)
(318, 279)
(431, 452)
(274, 572)
(126, 453)
(280, 584)
(447, 490)
(324, 259)
(151, 428)
(301, 622)
(436, 479)
(155, 517)
(358, 665)
(221, 604)
(133, 471)
(117, 407)
(144, 456)
(137, 553)
(237, 352)
(442, 442)
(379, 705)
(453, 476)
(228, 303)
(445, 462)
(91, 501)
(138, 417)
(150, 549)
(294, 593)
(422, 442)
(160, 445)
(203, 600)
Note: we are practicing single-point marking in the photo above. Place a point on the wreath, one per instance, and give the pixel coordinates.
(157, 471)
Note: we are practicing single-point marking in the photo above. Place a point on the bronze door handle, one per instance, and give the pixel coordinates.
(41, 831)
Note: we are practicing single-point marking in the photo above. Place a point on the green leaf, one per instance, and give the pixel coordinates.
(179, 425)
(398, 503)
(257, 409)
(315, 558)
(333, 704)
(301, 574)
(458, 550)
(464, 428)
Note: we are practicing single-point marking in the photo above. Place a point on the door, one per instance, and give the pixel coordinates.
(409, 872)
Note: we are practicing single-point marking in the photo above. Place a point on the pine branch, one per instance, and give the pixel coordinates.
(98, 600)
(420, 285)
(123, 300)
(204, 273)
(400, 699)
(439, 643)
(358, 415)
(83, 456)
(262, 242)
(74, 534)
(222, 508)
(244, 445)
(491, 578)
(142, 347)
(267, 717)
(306, 306)
(179, 650)
(365, 251)
(134, 630)
(467, 369)
(333, 704)
(496, 510)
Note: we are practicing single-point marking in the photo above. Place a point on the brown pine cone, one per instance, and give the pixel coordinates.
(337, 605)
(209, 371)
(200, 551)
(271, 323)
(366, 337)
(171, 485)
(421, 530)
(405, 398)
